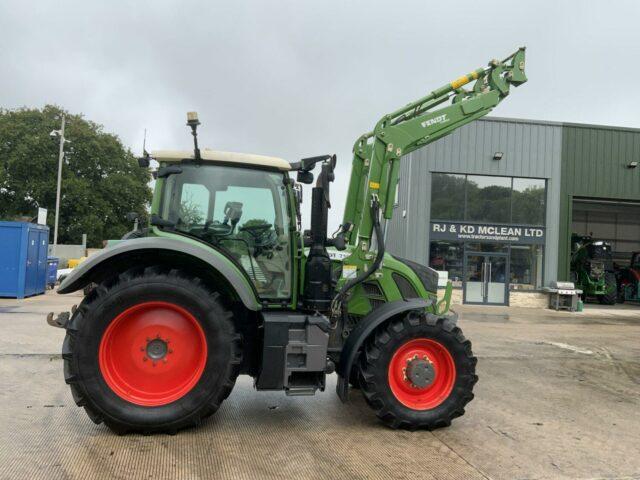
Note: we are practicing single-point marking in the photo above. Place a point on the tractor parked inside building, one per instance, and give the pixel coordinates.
(629, 280)
(224, 282)
(592, 268)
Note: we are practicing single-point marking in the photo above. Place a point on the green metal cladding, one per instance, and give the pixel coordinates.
(595, 163)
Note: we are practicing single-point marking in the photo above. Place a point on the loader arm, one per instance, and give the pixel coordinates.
(376, 155)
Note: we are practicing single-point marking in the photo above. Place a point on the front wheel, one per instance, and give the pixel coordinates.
(153, 351)
(622, 293)
(611, 290)
(418, 372)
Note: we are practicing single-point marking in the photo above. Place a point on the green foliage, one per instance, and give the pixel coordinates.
(101, 180)
(190, 212)
(447, 198)
(490, 203)
(529, 206)
(255, 222)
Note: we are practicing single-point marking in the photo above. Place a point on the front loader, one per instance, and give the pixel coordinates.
(224, 282)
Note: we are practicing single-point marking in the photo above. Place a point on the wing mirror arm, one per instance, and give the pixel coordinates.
(305, 166)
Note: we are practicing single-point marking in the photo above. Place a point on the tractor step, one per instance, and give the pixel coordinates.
(300, 391)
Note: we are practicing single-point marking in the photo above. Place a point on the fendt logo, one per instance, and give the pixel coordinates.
(432, 121)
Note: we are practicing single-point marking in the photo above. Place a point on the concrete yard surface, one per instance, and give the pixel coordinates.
(558, 397)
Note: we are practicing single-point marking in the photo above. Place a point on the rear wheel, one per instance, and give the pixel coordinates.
(418, 372)
(151, 352)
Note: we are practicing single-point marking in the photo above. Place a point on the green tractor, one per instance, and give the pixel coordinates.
(592, 268)
(225, 282)
(629, 280)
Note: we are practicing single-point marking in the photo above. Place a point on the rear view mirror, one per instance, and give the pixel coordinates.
(143, 162)
(305, 177)
(132, 216)
(169, 170)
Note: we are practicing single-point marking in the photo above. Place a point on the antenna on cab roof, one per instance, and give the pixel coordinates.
(193, 122)
(144, 144)
(144, 160)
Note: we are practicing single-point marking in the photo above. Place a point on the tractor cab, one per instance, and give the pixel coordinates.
(237, 203)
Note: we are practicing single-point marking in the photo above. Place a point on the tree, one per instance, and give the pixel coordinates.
(190, 211)
(101, 180)
(529, 206)
(447, 197)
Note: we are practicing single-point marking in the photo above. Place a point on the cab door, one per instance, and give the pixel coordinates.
(244, 213)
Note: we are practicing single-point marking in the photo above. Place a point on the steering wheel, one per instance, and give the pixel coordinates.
(214, 227)
(256, 230)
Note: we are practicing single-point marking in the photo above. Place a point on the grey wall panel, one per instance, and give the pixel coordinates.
(531, 149)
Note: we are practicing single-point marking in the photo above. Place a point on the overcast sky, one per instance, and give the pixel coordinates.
(302, 78)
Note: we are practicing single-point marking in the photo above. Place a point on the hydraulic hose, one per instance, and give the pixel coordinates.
(337, 300)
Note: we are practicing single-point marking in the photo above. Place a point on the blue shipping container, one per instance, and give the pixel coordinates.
(23, 259)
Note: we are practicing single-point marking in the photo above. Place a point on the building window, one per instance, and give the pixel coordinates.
(488, 247)
(488, 199)
(448, 196)
(526, 267)
(448, 256)
(528, 204)
(483, 202)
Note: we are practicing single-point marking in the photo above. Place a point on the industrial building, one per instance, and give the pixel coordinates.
(495, 203)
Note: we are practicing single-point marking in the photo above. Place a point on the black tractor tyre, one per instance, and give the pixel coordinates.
(611, 286)
(379, 356)
(621, 294)
(88, 288)
(354, 377)
(573, 278)
(83, 351)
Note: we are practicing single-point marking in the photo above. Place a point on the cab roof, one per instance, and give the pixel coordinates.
(214, 156)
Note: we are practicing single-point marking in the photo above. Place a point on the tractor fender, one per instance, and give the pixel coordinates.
(361, 332)
(91, 268)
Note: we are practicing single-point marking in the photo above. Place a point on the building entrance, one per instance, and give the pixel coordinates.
(486, 278)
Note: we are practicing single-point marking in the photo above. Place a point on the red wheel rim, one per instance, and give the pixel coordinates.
(153, 353)
(443, 366)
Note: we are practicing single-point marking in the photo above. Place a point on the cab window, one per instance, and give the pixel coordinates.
(241, 211)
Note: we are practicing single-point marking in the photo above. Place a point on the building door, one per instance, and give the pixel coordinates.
(43, 240)
(616, 222)
(31, 274)
(486, 278)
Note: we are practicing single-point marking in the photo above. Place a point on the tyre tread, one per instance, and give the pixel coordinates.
(73, 379)
(386, 408)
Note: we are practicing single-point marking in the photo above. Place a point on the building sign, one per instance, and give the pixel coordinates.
(486, 232)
